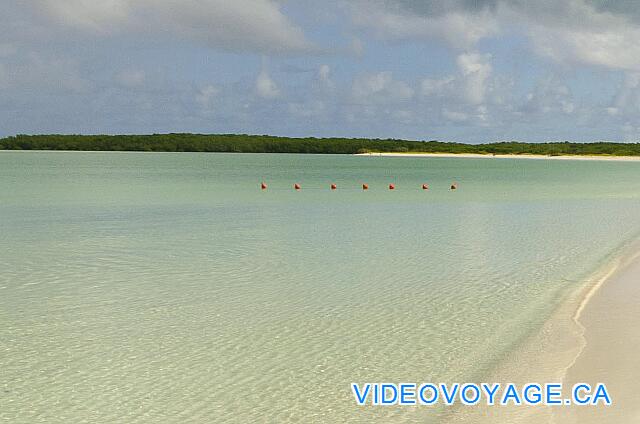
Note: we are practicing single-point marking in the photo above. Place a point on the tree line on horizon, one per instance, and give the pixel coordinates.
(240, 143)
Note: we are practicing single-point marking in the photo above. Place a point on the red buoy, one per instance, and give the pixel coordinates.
(333, 186)
(425, 186)
(365, 186)
(297, 186)
(263, 186)
(392, 187)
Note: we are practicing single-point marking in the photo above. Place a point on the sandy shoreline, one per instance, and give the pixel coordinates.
(391, 154)
(510, 156)
(592, 337)
(611, 321)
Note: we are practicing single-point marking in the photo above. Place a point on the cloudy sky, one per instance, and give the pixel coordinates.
(462, 70)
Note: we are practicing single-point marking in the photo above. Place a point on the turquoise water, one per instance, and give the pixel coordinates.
(166, 287)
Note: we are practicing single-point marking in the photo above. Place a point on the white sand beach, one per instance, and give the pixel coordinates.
(611, 320)
(510, 156)
(592, 338)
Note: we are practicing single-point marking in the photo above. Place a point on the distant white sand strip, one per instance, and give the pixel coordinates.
(510, 156)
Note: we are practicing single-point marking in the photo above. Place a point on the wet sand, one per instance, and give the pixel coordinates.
(611, 354)
(593, 337)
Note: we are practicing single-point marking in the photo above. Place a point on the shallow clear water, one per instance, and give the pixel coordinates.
(168, 288)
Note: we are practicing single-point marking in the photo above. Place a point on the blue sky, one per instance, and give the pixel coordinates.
(463, 70)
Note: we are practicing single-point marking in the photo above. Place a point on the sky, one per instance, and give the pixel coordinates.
(457, 70)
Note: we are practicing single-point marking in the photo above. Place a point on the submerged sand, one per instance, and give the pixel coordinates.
(509, 156)
(593, 337)
(611, 354)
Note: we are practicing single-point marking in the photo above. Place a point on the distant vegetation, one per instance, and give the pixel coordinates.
(270, 144)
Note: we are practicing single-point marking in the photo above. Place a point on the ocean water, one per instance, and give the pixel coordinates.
(161, 287)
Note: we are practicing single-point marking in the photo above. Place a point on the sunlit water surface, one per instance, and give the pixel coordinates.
(159, 287)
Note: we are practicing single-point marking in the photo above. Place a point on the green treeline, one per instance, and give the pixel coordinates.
(270, 144)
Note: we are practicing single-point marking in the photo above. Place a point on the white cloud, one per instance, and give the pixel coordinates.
(572, 32)
(472, 95)
(550, 95)
(438, 87)
(206, 96)
(131, 78)
(568, 107)
(324, 72)
(586, 36)
(626, 102)
(324, 84)
(239, 25)
(266, 87)
(380, 87)
(72, 59)
(459, 28)
(476, 70)
(376, 98)
(470, 85)
(99, 16)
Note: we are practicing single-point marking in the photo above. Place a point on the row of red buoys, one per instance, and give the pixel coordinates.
(297, 186)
